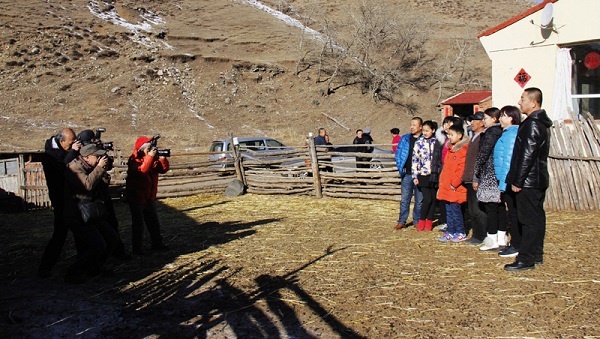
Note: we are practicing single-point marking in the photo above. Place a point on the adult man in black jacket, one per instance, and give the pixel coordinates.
(59, 151)
(529, 178)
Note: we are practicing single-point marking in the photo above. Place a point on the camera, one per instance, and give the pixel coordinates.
(160, 152)
(107, 146)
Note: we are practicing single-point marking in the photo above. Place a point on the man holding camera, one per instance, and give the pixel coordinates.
(143, 168)
(59, 150)
(86, 180)
(87, 137)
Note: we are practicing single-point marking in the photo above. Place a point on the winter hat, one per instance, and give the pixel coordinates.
(477, 116)
(141, 141)
(91, 149)
(367, 130)
(86, 136)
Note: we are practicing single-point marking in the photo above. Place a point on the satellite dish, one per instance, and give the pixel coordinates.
(547, 13)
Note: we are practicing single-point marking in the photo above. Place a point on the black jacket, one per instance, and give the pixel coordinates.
(529, 163)
(55, 161)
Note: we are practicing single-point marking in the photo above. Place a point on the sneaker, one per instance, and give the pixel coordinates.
(459, 237)
(446, 237)
(399, 226)
(508, 252)
(442, 227)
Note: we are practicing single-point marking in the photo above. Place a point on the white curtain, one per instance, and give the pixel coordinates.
(562, 102)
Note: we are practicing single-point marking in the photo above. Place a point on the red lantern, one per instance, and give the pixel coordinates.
(592, 60)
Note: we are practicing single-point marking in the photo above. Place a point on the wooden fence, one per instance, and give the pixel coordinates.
(574, 165)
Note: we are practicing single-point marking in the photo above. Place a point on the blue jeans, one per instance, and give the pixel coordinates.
(409, 189)
(454, 218)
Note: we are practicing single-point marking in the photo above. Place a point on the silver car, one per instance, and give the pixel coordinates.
(221, 149)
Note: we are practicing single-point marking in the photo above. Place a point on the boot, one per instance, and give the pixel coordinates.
(421, 225)
(490, 242)
(428, 225)
(502, 239)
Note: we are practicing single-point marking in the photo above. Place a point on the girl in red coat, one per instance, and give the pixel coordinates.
(143, 168)
(451, 189)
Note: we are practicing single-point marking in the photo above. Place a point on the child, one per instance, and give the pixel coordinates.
(451, 190)
(426, 167)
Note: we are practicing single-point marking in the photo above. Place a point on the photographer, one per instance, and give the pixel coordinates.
(143, 168)
(59, 150)
(95, 240)
(87, 137)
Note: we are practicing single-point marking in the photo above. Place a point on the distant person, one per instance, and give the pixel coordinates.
(327, 142)
(143, 168)
(404, 154)
(59, 150)
(363, 138)
(320, 139)
(486, 186)
(478, 218)
(529, 178)
(395, 138)
(510, 118)
(95, 239)
(426, 168)
(451, 188)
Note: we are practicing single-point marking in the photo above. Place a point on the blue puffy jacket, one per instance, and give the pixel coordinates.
(402, 153)
(503, 153)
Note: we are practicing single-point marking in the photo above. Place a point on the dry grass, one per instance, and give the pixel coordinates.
(257, 266)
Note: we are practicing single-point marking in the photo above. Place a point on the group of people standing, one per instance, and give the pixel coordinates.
(76, 169)
(495, 168)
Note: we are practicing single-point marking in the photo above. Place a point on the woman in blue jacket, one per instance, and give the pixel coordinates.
(510, 118)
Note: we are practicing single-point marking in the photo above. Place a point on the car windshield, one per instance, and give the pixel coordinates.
(217, 146)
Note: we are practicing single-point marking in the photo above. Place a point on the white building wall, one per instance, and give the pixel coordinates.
(522, 45)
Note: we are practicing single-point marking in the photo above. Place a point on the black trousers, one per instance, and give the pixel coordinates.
(59, 236)
(95, 243)
(429, 201)
(530, 209)
(496, 217)
(140, 214)
(514, 226)
(478, 217)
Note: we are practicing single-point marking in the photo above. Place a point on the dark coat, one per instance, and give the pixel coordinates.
(529, 163)
(488, 190)
(54, 161)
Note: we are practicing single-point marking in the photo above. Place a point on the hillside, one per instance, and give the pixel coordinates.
(196, 70)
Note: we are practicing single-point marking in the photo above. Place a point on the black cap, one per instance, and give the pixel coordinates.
(479, 115)
(395, 131)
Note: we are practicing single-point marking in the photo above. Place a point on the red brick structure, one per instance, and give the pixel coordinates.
(466, 103)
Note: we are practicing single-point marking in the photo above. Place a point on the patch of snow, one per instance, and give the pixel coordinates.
(138, 29)
(285, 18)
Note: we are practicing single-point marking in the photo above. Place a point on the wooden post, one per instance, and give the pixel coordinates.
(239, 168)
(315, 166)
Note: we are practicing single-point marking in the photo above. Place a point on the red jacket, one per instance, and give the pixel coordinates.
(452, 171)
(142, 177)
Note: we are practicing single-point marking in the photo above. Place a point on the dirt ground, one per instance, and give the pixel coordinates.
(299, 267)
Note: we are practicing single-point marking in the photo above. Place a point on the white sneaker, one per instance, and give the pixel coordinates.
(442, 227)
(502, 239)
(490, 243)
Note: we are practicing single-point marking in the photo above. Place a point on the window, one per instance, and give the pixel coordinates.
(586, 78)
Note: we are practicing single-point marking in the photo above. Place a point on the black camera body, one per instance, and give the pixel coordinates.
(107, 146)
(160, 152)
